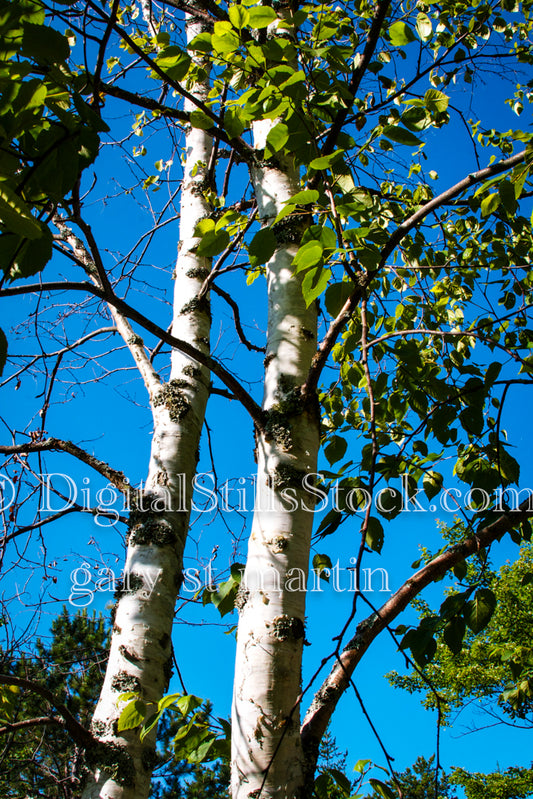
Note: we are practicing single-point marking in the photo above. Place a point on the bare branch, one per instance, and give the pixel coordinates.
(57, 353)
(236, 316)
(115, 477)
(94, 267)
(144, 102)
(212, 364)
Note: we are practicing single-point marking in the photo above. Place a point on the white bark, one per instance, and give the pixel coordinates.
(266, 749)
(140, 657)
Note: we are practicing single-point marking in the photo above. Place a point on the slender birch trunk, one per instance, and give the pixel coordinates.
(266, 748)
(140, 659)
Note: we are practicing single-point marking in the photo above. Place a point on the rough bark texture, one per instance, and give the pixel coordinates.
(266, 748)
(140, 657)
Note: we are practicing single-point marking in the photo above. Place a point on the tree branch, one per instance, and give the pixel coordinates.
(41, 721)
(144, 102)
(471, 180)
(346, 311)
(183, 346)
(327, 343)
(327, 697)
(380, 12)
(93, 266)
(118, 479)
(79, 734)
(236, 316)
(212, 13)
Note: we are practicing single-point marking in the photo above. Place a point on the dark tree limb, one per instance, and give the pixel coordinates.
(338, 680)
(79, 734)
(212, 364)
(236, 317)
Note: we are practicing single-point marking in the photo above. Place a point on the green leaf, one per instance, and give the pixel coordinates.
(340, 779)
(204, 226)
(382, 789)
(329, 523)
(432, 484)
(226, 43)
(262, 247)
(490, 204)
(314, 283)
(401, 34)
(336, 296)
(56, 174)
(375, 534)
(188, 703)
(421, 641)
(213, 243)
(436, 101)
(305, 197)
(168, 701)
(132, 715)
(200, 120)
(454, 633)
(321, 562)
(224, 598)
(424, 27)
(506, 192)
(21, 257)
(16, 216)
(460, 570)
(308, 255)
(44, 44)
(238, 16)
(336, 449)
(401, 135)
(149, 724)
(233, 122)
(478, 611)
(261, 17)
(174, 62)
(9, 700)
(325, 161)
(203, 43)
(492, 373)
(3, 351)
(276, 139)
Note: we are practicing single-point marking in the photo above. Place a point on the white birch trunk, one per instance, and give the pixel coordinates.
(266, 748)
(140, 659)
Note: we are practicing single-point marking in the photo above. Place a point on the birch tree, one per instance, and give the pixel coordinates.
(347, 159)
